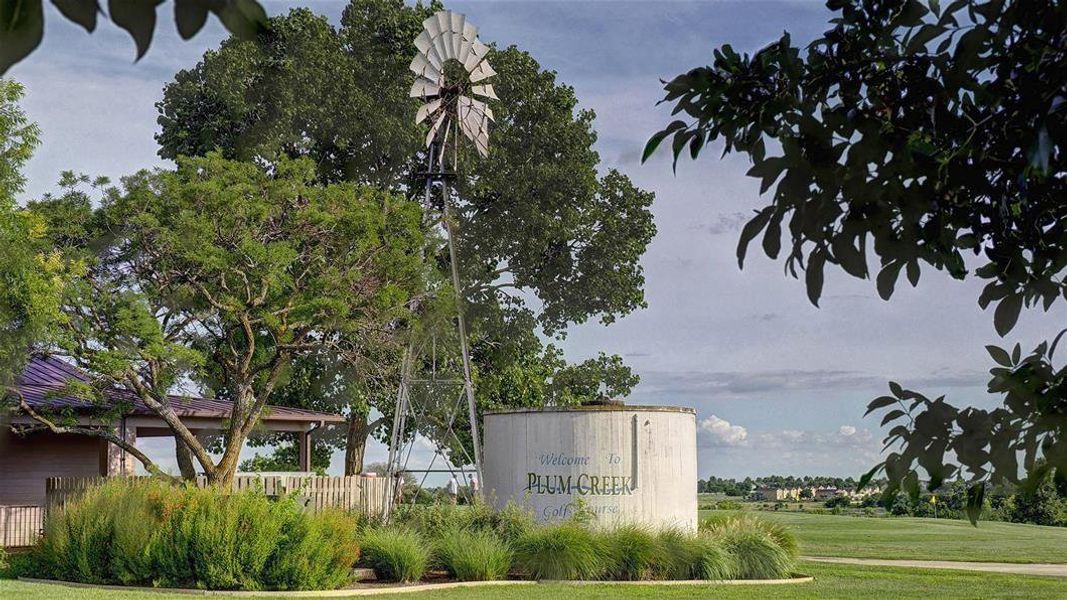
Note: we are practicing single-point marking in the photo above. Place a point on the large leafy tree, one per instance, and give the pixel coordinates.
(545, 238)
(917, 136)
(224, 273)
(30, 277)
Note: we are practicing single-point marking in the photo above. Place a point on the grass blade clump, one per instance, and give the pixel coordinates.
(560, 551)
(710, 558)
(757, 553)
(633, 553)
(396, 554)
(694, 556)
(474, 555)
(781, 534)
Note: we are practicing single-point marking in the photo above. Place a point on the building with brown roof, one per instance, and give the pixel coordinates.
(27, 460)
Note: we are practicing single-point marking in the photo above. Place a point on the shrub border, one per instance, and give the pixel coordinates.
(402, 589)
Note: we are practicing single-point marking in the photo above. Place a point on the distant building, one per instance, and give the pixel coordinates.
(825, 493)
(773, 494)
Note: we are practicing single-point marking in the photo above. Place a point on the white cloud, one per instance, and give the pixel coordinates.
(847, 430)
(721, 432)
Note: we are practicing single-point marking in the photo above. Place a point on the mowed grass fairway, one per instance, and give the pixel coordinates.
(921, 539)
(832, 581)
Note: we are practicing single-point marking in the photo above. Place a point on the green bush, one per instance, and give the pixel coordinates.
(430, 520)
(20, 564)
(152, 533)
(757, 552)
(513, 522)
(634, 553)
(474, 555)
(103, 536)
(218, 541)
(316, 552)
(561, 551)
(396, 553)
(434, 520)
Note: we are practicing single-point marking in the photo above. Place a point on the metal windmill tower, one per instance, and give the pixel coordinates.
(451, 71)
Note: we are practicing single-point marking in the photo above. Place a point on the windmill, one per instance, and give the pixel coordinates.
(450, 78)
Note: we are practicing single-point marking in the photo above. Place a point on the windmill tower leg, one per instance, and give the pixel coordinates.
(400, 412)
(468, 384)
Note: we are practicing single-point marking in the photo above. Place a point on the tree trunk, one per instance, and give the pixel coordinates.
(185, 459)
(226, 468)
(356, 445)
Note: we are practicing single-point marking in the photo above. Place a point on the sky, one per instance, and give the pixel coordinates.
(779, 386)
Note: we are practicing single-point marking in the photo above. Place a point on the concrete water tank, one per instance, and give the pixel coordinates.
(624, 463)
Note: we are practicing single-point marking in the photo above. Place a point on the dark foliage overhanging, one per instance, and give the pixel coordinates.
(923, 134)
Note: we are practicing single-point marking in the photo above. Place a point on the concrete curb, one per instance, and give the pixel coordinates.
(403, 589)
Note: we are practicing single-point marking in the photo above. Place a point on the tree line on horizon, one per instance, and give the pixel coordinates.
(742, 487)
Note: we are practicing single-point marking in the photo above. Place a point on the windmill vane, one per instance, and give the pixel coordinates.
(447, 36)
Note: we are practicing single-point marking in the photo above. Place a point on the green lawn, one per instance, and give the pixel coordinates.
(929, 539)
(832, 581)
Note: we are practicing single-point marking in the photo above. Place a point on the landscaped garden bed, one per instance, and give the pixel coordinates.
(154, 534)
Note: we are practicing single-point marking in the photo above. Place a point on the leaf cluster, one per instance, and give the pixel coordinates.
(22, 21)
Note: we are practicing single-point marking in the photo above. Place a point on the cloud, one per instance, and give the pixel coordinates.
(847, 437)
(724, 223)
(717, 383)
(720, 432)
(765, 316)
(748, 382)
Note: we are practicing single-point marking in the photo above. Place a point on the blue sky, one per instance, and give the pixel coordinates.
(779, 386)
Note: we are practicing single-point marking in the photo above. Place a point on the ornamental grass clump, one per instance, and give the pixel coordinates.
(695, 556)
(781, 534)
(474, 555)
(561, 551)
(633, 552)
(396, 553)
(710, 558)
(755, 548)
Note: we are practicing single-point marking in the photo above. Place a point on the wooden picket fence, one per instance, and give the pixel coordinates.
(20, 525)
(365, 495)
